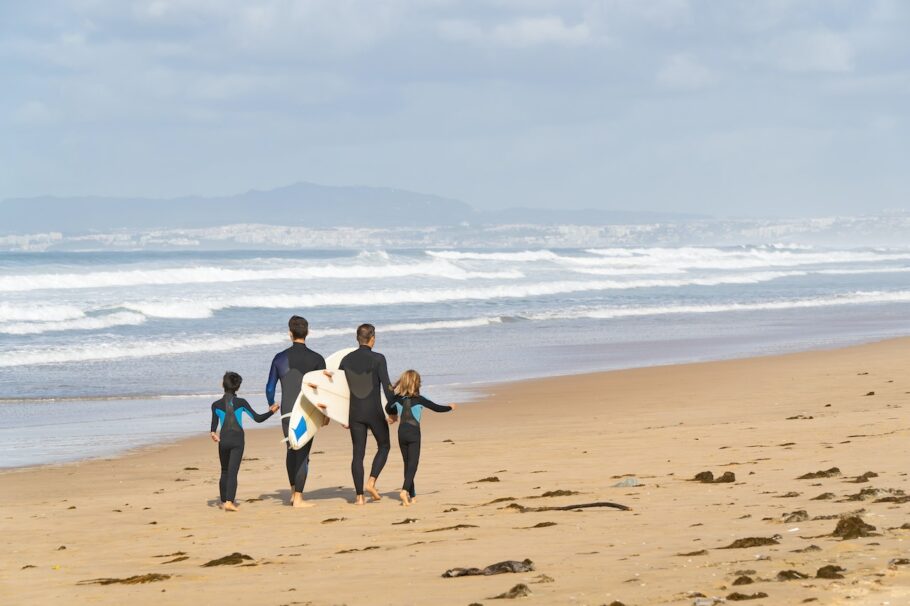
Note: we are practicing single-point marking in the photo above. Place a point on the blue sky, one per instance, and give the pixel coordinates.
(745, 107)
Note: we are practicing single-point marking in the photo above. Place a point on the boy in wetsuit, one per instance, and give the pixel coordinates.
(228, 413)
(408, 406)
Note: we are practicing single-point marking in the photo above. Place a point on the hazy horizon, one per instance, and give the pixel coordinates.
(773, 108)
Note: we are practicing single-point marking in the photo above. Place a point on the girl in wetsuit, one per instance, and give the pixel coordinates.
(228, 412)
(408, 405)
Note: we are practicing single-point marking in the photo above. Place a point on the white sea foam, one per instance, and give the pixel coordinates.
(38, 312)
(607, 313)
(125, 318)
(211, 275)
(121, 349)
(203, 308)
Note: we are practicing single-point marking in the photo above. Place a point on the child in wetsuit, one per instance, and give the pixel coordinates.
(408, 405)
(228, 412)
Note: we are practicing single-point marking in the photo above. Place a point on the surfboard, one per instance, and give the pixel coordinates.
(331, 394)
(304, 421)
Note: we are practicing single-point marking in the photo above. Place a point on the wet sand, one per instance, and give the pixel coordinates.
(485, 472)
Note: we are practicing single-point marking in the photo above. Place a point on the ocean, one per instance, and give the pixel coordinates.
(110, 350)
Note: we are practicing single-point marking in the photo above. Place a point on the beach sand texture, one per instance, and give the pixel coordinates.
(484, 470)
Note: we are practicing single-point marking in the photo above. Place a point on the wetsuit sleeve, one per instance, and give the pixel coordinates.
(259, 418)
(214, 420)
(320, 363)
(390, 408)
(384, 379)
(433, 405)
(272, 383)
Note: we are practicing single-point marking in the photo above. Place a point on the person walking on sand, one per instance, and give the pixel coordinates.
(288, 367)
(227, 413)
(367, 375)
(408, 406)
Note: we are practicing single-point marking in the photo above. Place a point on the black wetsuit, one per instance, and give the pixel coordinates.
(228, 412)
(289, 366)
(367, 374)
(409, 411)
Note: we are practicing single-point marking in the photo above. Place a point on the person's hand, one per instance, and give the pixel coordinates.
(325, 420)
(215, 437)
(274, 407)
(391, 419)
(346, 426)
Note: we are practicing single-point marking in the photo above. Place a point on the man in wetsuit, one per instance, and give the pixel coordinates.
(367, 374)
(288, 367)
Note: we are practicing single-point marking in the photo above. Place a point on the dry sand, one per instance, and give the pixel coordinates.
(767, 420)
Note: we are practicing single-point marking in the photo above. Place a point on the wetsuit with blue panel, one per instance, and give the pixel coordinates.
(288, 368)
(409, 410)
(228, 413)
(367, 374)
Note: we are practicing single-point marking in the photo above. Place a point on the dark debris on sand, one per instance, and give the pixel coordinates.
(825, 496)
(791, 575)
(229, 560)
(332, 520)
(743, 580)
(456, 527)
(834, 472)
(608, 504)
(853, 528)
(134, 580)
(800, 515)
(519, 591)
(862, 479)
(370, 548)
(507, 566)
(405, 521)
(808, 549)
(741, 597)
(487, 479)
(700, 552)
(749, 542)
(707, 477)
(830, 572)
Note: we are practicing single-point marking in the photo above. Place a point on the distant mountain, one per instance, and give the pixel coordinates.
(301, 204)
(297, 205)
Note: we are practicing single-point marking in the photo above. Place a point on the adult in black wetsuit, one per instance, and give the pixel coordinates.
(228, 412)
(288, 367)
(367, 374)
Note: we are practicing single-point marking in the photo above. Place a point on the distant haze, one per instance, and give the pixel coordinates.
(747, 107)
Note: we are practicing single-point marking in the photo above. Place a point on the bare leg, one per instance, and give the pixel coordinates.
(359, 500)
(371, 488)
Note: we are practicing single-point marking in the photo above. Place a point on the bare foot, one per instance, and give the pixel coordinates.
(299, 503)
(405, 499)
(359, 500)
(229, 506)
(371, 488)
(413, 499)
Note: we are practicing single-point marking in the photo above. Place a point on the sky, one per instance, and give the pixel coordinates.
(730, 108)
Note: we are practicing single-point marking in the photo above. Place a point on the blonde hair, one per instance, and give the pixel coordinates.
(408, 384)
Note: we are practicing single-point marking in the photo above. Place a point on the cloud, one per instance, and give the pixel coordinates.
(523, 32)
(35, 113)
(814, 51)
(683, 72)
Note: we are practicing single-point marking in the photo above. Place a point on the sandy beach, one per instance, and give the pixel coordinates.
(486, 472)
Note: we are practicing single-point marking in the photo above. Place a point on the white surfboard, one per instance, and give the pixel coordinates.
(304, 421)
(331, 394)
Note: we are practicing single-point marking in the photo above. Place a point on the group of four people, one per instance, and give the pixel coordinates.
(368, 377)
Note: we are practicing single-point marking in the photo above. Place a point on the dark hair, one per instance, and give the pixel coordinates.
(365, 332)
(299, 327)
(231, 381)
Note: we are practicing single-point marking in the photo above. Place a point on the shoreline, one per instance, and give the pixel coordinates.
(550, 443)
(478, 393)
